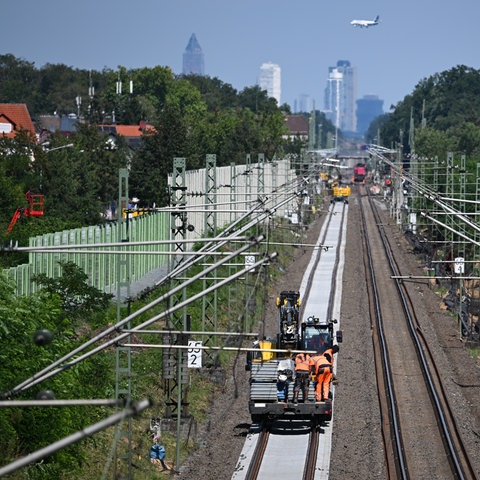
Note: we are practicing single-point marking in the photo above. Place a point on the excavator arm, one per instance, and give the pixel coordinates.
(35, 209)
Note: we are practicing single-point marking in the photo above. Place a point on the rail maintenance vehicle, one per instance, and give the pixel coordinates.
(340, 192)
(268, 368)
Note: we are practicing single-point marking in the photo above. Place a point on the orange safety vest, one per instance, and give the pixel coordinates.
(302, 362)
(319, 361)
(329, 351)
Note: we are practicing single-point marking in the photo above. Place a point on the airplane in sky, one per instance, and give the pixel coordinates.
(365, 23)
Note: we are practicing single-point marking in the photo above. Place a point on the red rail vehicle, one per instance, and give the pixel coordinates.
(359, 172)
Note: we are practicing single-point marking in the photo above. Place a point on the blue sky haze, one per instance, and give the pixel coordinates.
(415, 39)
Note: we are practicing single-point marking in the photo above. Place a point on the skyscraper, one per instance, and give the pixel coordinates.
(368, 108)
(270, 80)
(341, 96)
(193, 61)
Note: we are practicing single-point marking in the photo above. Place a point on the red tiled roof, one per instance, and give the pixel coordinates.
(131, 130)
(128, 130)
(15, 117)
(297, 124)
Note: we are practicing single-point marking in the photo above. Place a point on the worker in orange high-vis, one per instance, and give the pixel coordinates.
(321, 366)
(331, 351)
(302, 376)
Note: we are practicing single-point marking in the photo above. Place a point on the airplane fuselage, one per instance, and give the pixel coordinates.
(365, 23)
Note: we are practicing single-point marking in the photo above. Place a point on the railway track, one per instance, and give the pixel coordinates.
(289, 448)
(302, 461)
(420, 433)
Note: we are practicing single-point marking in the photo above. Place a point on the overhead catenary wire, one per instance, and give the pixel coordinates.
(183, 266)
(71, 248)
(131, 410)
(430, 194)
(51, 370)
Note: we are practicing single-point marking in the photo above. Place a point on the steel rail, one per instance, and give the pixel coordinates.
(394, 452)
(260, 455)
(335, 268)
(311, 460)
(257, 457)
(317, 260)
(455, 449)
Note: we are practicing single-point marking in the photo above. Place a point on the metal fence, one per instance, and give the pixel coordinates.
(100, 267)
(237, 188)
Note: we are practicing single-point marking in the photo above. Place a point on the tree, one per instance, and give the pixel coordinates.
(442, 101)
(18, 80)
(273, 130)
(78, 299)
(256, 100)
(24, 430)
(216, 94)
(153, 161)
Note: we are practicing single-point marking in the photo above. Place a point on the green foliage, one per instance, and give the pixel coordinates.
(193, 116)
(23, 430)
(78, 299)
(443, 102)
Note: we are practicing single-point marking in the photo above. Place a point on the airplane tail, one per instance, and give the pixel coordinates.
(377, 19)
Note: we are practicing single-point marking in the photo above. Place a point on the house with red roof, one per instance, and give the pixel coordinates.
(15, 117)
(132, 133)
(297, 126)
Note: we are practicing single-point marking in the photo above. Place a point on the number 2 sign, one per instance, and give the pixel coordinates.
(194, 354)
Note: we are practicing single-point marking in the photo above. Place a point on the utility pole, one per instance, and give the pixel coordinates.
(175, 398)
(209, 302)
(123, 360)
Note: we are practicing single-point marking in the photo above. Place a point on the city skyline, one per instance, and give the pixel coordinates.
(391, 58)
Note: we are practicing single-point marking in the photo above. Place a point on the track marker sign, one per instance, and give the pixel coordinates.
(249, 262)
(459, 266)
(194, 359)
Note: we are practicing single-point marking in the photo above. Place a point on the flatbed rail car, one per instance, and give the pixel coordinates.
(312, 336)
(263, 402)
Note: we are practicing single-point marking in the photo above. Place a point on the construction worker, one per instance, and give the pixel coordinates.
(157, 454)
(302, 376)
(331, 351)
(285, 374)
(321, 367)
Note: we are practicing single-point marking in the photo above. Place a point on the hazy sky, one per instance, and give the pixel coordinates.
(415, 39)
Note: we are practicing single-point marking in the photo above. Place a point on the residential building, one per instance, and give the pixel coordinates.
(14, 117)
(298, 128)
(133, 134)
(270, 80)
(193, 58)
(368, 108)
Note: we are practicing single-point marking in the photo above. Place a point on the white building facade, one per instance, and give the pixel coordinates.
(270, 80)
